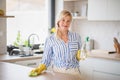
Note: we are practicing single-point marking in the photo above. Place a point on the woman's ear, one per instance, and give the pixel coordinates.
(58, 23)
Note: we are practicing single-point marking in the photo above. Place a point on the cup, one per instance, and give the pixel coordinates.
(27, 51)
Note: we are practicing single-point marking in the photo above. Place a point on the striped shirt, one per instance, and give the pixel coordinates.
(60, 53)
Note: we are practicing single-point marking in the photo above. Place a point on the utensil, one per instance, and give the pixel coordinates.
(116, 45)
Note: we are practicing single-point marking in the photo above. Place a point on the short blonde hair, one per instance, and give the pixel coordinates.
(61, 15)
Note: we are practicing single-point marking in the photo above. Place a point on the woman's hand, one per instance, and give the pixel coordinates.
(78, 55)
(37, 71)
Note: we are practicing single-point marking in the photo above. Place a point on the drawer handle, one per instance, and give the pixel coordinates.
(31, 64)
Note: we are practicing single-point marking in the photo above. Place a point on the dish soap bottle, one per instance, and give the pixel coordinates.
(83, 54)
(89, 44)
(87, 40)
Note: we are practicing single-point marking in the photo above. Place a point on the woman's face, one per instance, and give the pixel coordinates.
(64, 23)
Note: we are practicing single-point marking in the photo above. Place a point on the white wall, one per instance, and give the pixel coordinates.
(2, 29)
(102, 32)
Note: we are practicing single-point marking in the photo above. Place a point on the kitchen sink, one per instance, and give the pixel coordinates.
(24, 55)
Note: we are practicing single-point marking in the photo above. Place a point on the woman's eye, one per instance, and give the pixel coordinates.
(68, 21)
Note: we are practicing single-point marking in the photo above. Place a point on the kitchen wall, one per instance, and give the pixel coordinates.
(2, 29)
(102, 32)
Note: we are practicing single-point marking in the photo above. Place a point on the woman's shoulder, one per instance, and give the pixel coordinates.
(51, 36)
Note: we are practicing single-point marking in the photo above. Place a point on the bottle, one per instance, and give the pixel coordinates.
(83, 54)
(89, 44)
(87, 40)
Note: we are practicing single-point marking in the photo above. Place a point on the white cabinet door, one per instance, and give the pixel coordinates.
(97, 9)
(106, 69)
(59, 6)
(103, 10)
(86, 69)
(113, 9)
(100, 69)
(105, 76)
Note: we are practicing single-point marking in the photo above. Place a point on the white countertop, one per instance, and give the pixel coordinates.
(9, 71)
(104, 55)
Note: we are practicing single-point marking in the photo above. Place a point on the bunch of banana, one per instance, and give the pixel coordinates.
(37, 71)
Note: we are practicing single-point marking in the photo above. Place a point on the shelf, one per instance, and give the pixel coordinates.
(70, 0)
(79, 17)
(7, 16)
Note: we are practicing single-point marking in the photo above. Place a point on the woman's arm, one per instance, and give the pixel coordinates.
(48, 52)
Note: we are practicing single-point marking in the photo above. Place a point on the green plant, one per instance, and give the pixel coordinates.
(25, 43)
(18, 40)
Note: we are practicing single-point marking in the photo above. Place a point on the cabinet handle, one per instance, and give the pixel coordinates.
(31, 64)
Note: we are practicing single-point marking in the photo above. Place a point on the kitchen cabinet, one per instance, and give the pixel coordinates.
(86, 69)
(30, 63)
(103, 10)
(78, 8)
(100, 69)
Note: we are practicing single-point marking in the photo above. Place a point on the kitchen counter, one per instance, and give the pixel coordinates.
(104, 55)
(95, 54)
(7, 58)
(9, 71)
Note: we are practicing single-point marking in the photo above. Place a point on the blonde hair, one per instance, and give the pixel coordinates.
(61, 15)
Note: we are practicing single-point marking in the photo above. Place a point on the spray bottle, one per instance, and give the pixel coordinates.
(83, 54)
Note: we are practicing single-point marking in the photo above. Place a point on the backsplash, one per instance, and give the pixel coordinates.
(102, 32)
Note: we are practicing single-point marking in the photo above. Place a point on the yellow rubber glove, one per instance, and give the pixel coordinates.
(78, 55)
(38, 70)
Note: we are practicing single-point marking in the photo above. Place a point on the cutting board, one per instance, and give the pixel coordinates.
(102, 51)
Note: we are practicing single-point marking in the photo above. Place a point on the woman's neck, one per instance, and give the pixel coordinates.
(63, 35)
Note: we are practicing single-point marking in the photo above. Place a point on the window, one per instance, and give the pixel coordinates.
(31, 16)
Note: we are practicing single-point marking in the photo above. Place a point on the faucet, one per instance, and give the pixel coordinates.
(29, 45)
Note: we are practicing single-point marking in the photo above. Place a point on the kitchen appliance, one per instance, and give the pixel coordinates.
(38, 48)
(13, 50)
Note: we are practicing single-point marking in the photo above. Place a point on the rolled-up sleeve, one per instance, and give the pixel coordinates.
(48, 52)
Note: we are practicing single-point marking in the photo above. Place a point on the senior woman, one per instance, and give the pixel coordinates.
(62, 48)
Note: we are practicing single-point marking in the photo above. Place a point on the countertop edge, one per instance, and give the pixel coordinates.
(7, 58)
(114, 56)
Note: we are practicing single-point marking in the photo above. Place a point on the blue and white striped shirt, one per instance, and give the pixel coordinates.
(63, 54)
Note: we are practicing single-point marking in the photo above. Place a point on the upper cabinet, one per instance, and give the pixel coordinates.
(103, 10)
(78, 8)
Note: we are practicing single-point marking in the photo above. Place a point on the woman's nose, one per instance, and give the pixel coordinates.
(65, 23)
